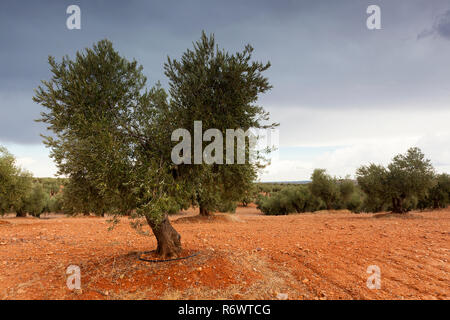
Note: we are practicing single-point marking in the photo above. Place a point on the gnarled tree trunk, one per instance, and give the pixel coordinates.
(436, 204)
(204, 211)
(21, 214)
(397, 205)
(168, 239)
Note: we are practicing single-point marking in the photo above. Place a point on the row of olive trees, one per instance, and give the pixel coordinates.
(323, 193)
(409, 182)
(22, 194)
(291, 199)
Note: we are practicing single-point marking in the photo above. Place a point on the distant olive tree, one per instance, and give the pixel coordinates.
(439, 194)
(55, 203)
(15, 184)
(35, 201)
(407, 177)
(346, 190)
(372, 180)
(324, 187)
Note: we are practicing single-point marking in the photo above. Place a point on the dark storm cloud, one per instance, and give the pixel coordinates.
(322, 54)
(147, 31)
(441, 27)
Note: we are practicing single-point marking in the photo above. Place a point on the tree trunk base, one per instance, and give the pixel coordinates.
(204, 212)
(397, 206)
(168, 239)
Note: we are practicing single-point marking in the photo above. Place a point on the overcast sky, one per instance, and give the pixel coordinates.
(344, 95)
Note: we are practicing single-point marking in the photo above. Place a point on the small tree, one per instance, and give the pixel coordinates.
(15, 184)
(81, 196)
(249, 195)
(324, 187)
(346, 190)
(55, 203)
(372, 181)
(8, 172)
(35, 201)
(408, 176)
(439, 195)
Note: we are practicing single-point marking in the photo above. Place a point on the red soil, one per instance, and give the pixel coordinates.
(243, 256)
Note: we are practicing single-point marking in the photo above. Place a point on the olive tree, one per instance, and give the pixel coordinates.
(35, 201)
(15, 184)
(324, 187)
(110, 130)
(7, 179)
(407, 176)
(346, 190)
(439, 194)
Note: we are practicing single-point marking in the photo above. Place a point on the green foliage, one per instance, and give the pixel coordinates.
(269, 188)
(104, 138)
(21, 193)
(178, 204)
(249, 195)
(292, 199)
(221, 90)
(8, 173)
(346, 189)
(371, 180)
(35, 202)
(355, 202)
(81, 196)
(439, 194)
(15, 183)
(55, 203)
(407, 178)
(227, 206)
(111, 135)
(52, 186)
(324, 187)
(279, 198)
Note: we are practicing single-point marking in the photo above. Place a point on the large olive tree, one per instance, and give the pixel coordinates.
(111, 131)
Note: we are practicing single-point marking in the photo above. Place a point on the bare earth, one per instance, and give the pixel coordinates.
(243, 256)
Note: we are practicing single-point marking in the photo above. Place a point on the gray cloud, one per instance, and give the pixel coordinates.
(323, 57)
(441, 27)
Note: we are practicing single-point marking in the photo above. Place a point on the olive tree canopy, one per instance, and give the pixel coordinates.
(407, 176)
